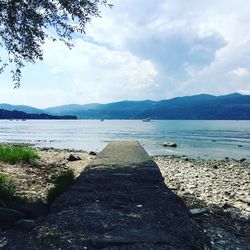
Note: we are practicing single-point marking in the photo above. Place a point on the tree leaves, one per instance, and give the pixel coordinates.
(25, 25)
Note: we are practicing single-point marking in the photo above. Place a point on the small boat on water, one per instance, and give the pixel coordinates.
(146, 120)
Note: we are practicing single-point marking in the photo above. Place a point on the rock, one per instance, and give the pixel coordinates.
(240, 146)
(9, 216)
(242, 159)
(2, 203)
(33, 210)
(170, 144)
(198, 211)
(226, 206)
(25, 224)
(3, 242)
(245, 200)
(221, 242)
(73, 158)
(92, 153)
(247, 209)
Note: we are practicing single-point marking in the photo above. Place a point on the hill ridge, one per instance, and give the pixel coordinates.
(233, 106)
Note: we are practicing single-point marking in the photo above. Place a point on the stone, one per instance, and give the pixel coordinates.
(170, 144)
(243, 159)
(3, 242)
(9, 216)
(198, 211)
(73, 158)
(92, 153)
(33, 210)
(245, 200)
(226, 206)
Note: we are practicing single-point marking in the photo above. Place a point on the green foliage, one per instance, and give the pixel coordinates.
(63, 180)
(25, 26)
(15, 154)
(8, 191)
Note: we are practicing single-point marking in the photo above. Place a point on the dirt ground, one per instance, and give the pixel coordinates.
(33, 180)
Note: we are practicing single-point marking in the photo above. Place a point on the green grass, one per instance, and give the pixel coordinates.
(63, 180)
(8, 191)
(16, 154)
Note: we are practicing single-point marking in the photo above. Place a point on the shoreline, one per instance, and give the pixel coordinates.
(226, 157)
(219, 186)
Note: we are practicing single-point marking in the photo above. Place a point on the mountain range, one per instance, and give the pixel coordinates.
(208, 107)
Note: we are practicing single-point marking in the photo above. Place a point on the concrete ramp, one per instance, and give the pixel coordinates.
(118, 202)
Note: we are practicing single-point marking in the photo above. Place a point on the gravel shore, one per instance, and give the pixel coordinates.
(222, 187)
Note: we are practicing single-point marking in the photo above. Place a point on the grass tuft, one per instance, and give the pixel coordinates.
(63, 180)
(8, 191)
(16, 154)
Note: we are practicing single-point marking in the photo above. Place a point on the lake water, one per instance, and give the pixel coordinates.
(205, 139)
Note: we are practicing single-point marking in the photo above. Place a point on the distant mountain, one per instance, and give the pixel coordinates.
(208, 107)
(234, 106)
(84, 111)
(71, 108)
(22, 108)
(6, 114)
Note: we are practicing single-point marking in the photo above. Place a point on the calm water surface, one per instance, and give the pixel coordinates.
(205, 139)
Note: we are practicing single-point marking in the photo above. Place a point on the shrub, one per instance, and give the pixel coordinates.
(63, 180)
(8, 191)
(15, 154)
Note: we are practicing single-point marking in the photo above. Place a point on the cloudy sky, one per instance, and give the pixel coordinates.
(144, 49)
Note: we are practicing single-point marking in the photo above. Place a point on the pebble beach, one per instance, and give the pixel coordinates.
(220, 189)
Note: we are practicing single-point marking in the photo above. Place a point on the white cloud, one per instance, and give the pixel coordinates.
(101, 74)
(147, 49)
(38, 97)
(194, 44)
(240, 72)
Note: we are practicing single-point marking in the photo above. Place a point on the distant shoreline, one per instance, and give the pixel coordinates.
(20, 115)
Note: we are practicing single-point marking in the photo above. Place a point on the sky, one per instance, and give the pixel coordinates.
(143, 49)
